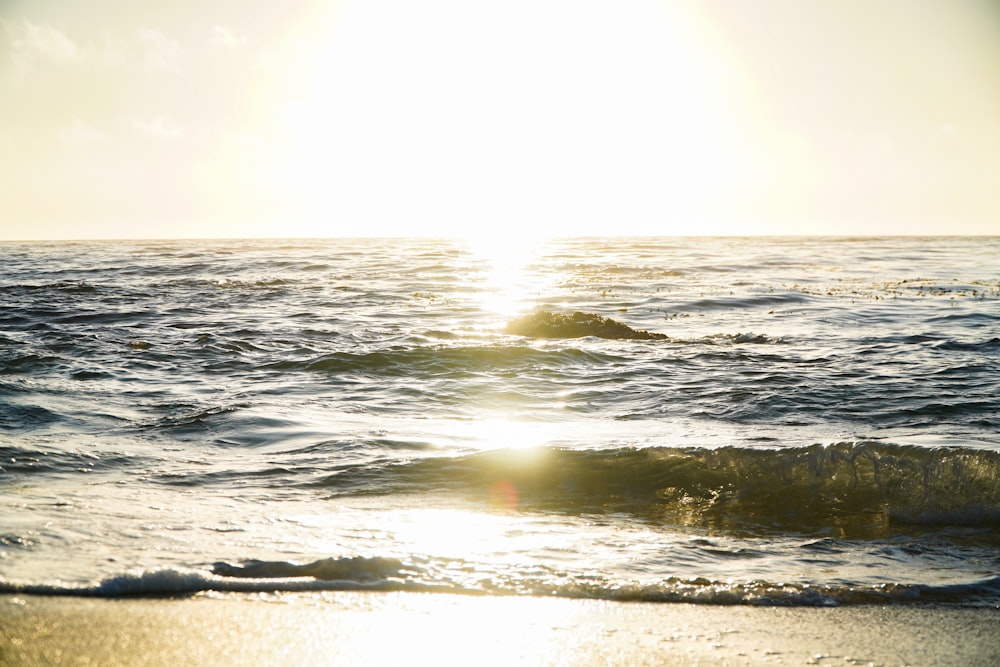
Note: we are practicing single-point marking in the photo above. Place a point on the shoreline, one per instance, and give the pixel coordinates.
(354, 628)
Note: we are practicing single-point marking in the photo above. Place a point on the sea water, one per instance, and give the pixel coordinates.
(818, 424)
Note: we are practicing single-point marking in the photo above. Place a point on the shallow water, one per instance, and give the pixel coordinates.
(821, 424)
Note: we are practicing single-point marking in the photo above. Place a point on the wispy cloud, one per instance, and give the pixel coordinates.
(225, 36)
(160, 51)
(31, 44)
(160, 126)
(79, 132)
(45, 42)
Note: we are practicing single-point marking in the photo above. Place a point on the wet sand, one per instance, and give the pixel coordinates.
(347, 628)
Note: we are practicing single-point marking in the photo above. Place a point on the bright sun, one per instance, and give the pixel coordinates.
(446, 117)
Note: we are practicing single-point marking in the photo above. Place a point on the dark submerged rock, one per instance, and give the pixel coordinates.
(544, 324)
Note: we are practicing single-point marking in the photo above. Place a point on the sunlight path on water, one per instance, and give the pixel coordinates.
(510, 282)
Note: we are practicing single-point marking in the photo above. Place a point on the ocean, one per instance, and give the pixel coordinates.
(760, 421)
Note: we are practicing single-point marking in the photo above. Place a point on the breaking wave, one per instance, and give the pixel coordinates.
(854, 486)
(389, 574)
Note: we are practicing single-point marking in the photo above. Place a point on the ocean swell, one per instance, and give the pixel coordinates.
(849, 488)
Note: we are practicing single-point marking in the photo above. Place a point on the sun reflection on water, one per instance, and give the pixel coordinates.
(452, 533)
(503, 433)
(509, 282)
(523, 446)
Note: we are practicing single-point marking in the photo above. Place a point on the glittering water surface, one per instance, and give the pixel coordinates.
(818, 424)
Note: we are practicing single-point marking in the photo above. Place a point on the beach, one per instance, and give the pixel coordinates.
(358, 628)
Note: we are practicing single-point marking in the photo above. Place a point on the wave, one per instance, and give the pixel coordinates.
(442, 358)
(62, 285)
(755, 301)
(40, 460)
(406, 361)
(23, 417)
(991, 345)
(30, 363)
(854, 489)
(390, 574)
(251, 284)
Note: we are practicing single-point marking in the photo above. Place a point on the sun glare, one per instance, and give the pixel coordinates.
(453, 118)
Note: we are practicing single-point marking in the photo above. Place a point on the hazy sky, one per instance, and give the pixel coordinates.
(123, 118)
